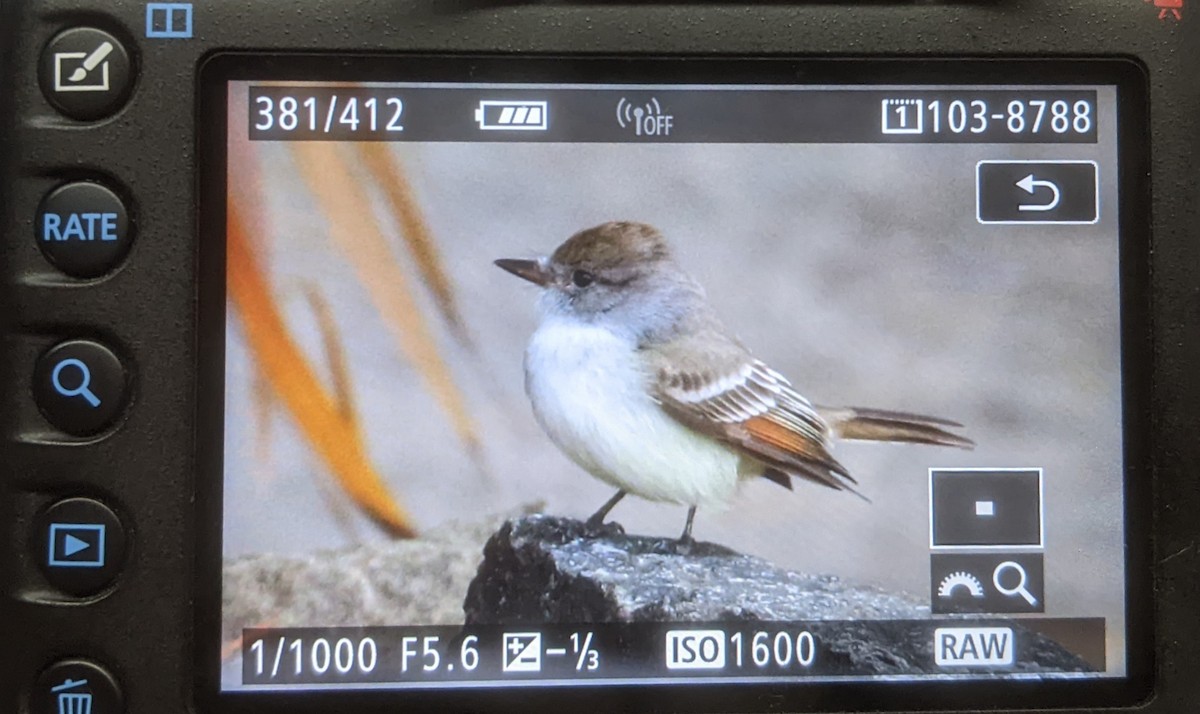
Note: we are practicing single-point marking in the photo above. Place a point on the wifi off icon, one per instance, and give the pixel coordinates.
(645, 119)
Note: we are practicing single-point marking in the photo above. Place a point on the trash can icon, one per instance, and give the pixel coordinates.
(72, 700)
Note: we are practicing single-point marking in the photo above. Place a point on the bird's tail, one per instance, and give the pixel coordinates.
(859, 424)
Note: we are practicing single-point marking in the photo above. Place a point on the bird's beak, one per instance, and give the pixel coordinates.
(531, 270)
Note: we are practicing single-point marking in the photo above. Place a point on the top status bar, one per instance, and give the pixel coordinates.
(637, 114)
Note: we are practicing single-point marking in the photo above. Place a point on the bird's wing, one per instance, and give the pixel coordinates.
(712, 384)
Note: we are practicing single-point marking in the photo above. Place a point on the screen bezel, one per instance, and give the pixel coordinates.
(1136, 355)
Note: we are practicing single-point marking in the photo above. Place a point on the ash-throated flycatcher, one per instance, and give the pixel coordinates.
(634, 377)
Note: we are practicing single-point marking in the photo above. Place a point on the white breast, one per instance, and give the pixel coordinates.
(588, 393)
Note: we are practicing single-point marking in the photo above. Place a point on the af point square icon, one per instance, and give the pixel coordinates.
(985, 508)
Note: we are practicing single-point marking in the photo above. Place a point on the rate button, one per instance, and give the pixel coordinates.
(83, 229)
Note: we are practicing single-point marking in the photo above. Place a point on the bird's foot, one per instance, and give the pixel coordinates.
(685, 545)
(597, 528)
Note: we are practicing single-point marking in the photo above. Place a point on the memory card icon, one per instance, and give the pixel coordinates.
(522, 652)
(506, 115)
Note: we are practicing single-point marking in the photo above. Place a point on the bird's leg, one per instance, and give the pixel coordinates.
(686, 539)
(596, 522)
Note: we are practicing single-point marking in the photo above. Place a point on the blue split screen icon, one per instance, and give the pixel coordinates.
(76, 545)
(169, 20)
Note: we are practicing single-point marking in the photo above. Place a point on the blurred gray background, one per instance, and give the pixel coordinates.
(858, 271)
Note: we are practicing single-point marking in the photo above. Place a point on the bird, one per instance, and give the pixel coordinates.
(634, 377)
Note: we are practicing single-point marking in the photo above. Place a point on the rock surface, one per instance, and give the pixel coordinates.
(545, 569)
(542, 569)
(418, 581)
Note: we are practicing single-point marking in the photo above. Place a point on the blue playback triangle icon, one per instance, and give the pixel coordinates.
(73, 545)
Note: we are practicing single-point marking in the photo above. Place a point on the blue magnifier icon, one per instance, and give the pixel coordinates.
(85, 379)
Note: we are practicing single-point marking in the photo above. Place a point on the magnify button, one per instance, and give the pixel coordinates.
(1020, 589)
(80, 387)
(85, 381)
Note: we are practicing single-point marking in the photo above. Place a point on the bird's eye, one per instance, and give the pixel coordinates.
(582, 278)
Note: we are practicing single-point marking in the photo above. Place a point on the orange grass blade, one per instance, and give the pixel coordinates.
(387, 171)
(335, 357)
(334, 439)
(353, 227)
(335, 353)
(263, 401)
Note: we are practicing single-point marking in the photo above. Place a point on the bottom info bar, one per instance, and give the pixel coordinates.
(419, 656)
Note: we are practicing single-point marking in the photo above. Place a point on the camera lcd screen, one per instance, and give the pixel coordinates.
(870, 330)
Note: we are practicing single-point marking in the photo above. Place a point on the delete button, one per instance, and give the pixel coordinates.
(83, 229)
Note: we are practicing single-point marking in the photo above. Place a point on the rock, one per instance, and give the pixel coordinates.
(541, 570)
(545, 569)
(405, 582)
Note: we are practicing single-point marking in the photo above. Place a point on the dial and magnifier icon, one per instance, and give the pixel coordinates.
(1006, 582)
(1009, 579)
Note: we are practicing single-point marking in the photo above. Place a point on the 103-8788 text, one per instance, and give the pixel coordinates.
(1048, 116)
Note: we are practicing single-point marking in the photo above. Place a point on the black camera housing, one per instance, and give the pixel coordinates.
(153, 628)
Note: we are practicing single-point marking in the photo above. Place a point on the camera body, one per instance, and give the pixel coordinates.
(126, 158)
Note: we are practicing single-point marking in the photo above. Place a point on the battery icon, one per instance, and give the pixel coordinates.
(502, 115)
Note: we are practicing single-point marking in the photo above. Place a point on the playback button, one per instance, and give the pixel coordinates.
(81, 546)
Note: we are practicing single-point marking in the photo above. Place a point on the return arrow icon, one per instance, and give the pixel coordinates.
(1029, 184)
